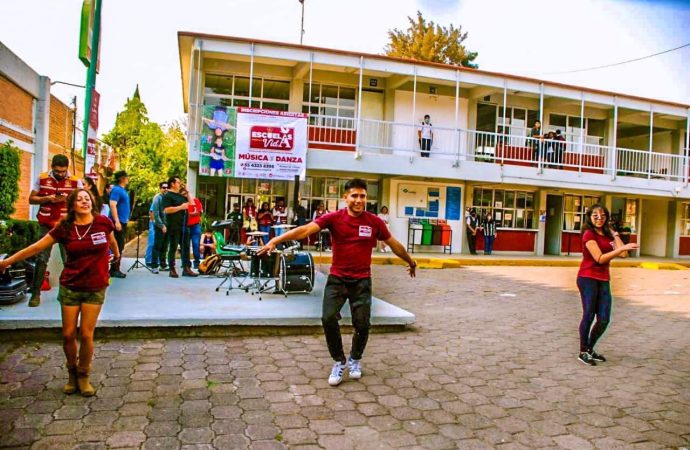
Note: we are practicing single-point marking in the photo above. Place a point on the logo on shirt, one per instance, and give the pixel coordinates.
(98, 238)
(364, 231)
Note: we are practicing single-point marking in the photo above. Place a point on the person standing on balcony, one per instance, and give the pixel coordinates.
(355, 232)
(600, 244)
(560, 148)
(473, 224)
(535, 141)
(426, 136)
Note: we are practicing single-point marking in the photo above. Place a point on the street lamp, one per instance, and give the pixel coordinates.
(301, 28)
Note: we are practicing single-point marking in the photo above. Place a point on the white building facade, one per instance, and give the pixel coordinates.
(626, 152)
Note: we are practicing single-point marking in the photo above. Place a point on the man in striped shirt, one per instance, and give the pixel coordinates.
(489, 228)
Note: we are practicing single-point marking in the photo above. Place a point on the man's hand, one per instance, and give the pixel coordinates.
(164, 229)
(267, 249)
(183, 206)
(411, 269)
(118, 226)
(56, 198)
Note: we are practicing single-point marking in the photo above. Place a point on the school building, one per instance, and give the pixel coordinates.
(365, 112)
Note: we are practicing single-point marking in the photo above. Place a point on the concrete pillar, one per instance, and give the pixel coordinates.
(540, 206)
(296, 93)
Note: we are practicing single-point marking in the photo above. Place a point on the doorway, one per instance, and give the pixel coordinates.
(554, 219)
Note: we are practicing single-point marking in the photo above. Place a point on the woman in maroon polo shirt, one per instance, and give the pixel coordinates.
(600, 244)
(86, 236)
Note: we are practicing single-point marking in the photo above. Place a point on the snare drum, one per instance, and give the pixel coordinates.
(297, 272)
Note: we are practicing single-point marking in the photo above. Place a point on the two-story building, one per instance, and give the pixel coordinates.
(365, 115)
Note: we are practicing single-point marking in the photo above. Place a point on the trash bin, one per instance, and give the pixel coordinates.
(446, 234)
(416, 235)
(427, 232)
(436, 233)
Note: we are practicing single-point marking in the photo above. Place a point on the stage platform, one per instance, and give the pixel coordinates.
(147, 300)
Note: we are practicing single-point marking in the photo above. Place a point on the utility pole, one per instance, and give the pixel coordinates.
(91, 75)
(301, 28)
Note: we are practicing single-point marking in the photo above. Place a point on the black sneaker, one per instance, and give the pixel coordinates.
(587, 359)
(596, 356)
(117, 274)
(165, 268)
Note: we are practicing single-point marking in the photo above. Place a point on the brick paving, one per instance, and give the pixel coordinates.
(491, 363)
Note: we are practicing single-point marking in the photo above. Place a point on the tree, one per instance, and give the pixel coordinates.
(147, 152)
(427, 41)
(9, 178)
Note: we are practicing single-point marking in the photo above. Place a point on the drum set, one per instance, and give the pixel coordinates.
(284, 271)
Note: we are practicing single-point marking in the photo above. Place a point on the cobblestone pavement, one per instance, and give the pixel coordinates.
(490, 364)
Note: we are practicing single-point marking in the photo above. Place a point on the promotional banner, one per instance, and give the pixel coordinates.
(218, 133)
(270, 144)
(88, 10)
(91, 140)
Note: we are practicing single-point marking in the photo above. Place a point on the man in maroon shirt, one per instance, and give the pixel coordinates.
(354, 233)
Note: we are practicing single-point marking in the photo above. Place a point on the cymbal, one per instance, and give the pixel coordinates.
(284, 226)
(257, 233)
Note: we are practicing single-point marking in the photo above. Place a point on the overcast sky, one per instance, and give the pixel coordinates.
(527, 37)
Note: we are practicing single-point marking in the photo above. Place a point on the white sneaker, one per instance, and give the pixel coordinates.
(354, 368)
(337, 372)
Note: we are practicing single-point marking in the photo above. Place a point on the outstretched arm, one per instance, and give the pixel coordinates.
(401, 253)
(292, 235)
(603, 258)
(44, 243)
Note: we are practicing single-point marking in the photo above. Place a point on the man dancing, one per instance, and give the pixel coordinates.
(354, 233)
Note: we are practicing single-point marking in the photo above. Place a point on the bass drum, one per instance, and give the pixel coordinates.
(296, 272)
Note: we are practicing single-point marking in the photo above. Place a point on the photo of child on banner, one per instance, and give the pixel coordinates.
(218, 141)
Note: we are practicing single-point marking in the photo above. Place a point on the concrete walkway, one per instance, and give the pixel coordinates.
(147, 300)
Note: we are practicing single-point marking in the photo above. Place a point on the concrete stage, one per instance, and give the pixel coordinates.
(147, 300)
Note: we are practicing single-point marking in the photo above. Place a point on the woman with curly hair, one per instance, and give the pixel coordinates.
(86, 235)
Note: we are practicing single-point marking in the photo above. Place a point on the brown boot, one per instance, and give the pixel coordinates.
(188, 272)
(71, 386)
(83, 381)
(173, 273)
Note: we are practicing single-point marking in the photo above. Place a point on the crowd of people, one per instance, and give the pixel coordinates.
(547, 147)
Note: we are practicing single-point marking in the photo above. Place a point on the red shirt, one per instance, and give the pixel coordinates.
(86, 266)
(352, 239)
(194, 211)
(265, 218)
(589, 268)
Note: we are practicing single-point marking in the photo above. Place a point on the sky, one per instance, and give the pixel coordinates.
(537, 38)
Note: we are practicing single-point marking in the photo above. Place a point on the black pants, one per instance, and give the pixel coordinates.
(472, 242)
(160, 248)
(176, 238)
(120, 237)
(425, 146)
(596, 304)
(337, 291)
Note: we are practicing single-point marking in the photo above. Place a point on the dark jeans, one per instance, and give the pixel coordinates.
(120, 237)
(42, 263)
(337, 291)
(596, 303)
(425, 146)
(194, 233)
(488, 244)
(160, 248)
(472, 242)
(537, 153)
(178, 237)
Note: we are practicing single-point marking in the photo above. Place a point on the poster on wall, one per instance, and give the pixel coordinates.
(411, 197)
(217, 145)
(270, 144)
(453, 198)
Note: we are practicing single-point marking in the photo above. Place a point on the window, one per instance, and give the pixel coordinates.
(685, 220)
(593, 130)
(330, 106)
(232, 90)
(208, 195)
(329, 191)
(511, 209)
(624, 214)
(575, 208)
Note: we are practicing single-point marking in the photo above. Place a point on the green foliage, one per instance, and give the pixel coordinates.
(149, 153)
(17, 234)
(9, 178)
(427, 41)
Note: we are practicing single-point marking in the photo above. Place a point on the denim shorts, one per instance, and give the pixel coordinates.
(68, 297)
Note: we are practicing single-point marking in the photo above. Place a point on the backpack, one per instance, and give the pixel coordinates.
(210, 265)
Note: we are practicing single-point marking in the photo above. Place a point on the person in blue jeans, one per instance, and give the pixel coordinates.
(489, 227)
(265, 220)
(163, 188)
(600, 244)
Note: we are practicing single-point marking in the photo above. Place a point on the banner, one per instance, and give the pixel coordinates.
(217, 157)
(270, 144)
(91, 141)
(88, 12)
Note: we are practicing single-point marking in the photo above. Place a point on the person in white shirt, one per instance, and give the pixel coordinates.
(426, 136)
(383, 215)
(280, 216)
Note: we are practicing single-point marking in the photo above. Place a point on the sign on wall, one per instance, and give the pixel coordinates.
(217, 146)
(270, 144)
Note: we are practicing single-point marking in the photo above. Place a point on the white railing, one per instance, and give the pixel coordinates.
(385, 137)
(332, 130)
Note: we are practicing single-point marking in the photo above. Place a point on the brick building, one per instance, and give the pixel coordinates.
(38, 123)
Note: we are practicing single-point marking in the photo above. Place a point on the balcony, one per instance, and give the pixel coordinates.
(458, 146)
